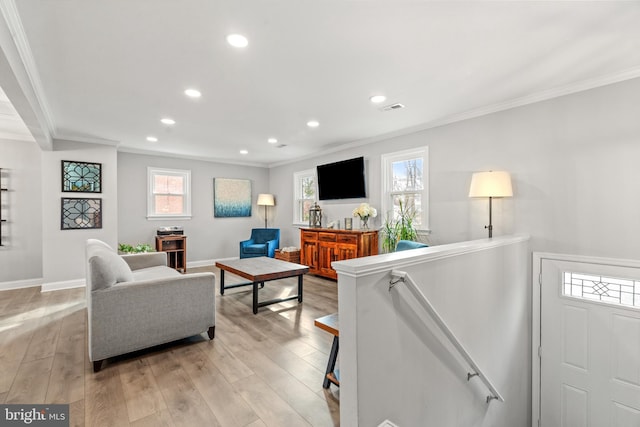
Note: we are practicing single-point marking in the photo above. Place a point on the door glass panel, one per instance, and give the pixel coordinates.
(610, 290)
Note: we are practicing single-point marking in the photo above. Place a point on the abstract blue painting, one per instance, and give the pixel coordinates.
(231, 197)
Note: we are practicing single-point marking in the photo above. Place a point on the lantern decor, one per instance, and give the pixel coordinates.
(315, 216)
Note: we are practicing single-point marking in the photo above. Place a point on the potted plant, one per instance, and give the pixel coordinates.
(139, 248)
(400, 228)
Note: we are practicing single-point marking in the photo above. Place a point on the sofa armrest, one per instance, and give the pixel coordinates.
(272, 245)
(145, 260)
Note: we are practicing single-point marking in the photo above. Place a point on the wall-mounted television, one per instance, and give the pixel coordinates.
(341, 180)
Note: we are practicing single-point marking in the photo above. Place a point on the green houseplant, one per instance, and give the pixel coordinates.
(399, 228)
(139, 248)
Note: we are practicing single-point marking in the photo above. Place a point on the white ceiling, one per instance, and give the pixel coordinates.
(110, 70)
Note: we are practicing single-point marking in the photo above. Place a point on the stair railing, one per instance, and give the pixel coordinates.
(398, 276)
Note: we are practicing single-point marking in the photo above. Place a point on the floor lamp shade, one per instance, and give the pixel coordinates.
(491, 184)
(266, 200)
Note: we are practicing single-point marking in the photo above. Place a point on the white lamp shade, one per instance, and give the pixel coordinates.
(266, 200)
(491, 184)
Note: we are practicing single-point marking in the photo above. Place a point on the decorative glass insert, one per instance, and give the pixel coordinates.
(81, 213)
(81, 177)
(610, 290)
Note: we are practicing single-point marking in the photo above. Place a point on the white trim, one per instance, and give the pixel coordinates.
(66, 284)
(20, 284)
(186, 174)
(202, 263)
(14, 23)
(297, 190)
(386, 161)
(366, 266)
(616, 77)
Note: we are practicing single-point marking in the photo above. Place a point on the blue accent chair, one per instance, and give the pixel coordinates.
(263, 242)
(404, 245)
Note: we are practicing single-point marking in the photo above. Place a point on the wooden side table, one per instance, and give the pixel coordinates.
(175, 246)
(330, 323)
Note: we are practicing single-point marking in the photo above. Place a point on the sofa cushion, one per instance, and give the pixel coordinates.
(108, 268)
(256, 249)
(153, 273)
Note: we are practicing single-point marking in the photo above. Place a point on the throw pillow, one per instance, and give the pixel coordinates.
(107, 269)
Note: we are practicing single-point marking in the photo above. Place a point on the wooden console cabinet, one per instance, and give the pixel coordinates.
(319, 247)
(176, 248)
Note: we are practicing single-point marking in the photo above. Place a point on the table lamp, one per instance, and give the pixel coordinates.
(266, 200)
(491, 184)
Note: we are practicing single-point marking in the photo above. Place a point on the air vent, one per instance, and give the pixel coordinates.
(396, 106)
(281, 146)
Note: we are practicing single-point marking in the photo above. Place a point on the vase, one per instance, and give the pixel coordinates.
(365, 222)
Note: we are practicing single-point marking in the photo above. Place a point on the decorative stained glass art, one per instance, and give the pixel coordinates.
(81, 177)
(80, 213)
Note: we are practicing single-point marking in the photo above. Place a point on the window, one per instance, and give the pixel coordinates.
(304, 185)
(169, 194)
(405, 185)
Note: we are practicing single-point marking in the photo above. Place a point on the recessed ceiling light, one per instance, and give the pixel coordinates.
(313, 123)
(152, 139)
(168, 121)
(244, 152)
(272, 141)
(377, 99)
(192, 93)
(237, 40)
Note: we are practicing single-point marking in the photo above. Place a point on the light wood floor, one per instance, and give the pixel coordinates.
(260, 370)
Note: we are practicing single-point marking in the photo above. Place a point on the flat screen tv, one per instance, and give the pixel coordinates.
(341, 180)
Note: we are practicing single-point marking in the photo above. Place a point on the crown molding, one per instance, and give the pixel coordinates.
(541, 96)
(14, 23)
(87, 139)
(190, 157)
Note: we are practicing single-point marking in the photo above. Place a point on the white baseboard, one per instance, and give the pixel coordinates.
(67, 284)
(207, 262)
(19, 284)
(203, 263)
(79, 283)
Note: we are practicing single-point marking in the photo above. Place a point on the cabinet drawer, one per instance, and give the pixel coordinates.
(309, 235)
(327, 237)
(349, 239)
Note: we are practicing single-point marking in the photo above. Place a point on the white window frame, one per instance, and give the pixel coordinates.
(297, 190)
(387, 161)
(151, 209)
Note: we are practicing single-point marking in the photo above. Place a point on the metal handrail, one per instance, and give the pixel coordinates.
(404, 277)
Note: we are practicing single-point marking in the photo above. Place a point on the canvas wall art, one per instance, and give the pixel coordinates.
(231, 197)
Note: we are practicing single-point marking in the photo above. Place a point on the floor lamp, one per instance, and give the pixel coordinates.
(491, 184)
(266, 200)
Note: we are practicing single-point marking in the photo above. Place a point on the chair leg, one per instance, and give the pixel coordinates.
(97, 365)
(211, 332)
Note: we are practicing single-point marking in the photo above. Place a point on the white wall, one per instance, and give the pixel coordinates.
(63, 251)
(208, 238)
(395, 363)
(573, 164)
(21, 255)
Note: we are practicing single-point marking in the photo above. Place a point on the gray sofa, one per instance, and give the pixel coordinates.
(136, 301)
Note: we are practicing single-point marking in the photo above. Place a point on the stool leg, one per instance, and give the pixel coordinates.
(332, 362)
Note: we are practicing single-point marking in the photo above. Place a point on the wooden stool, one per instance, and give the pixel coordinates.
(330, 324)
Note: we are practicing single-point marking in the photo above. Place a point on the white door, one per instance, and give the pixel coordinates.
(590, 345)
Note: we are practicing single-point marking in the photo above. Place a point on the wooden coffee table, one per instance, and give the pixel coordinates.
(260, 270)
